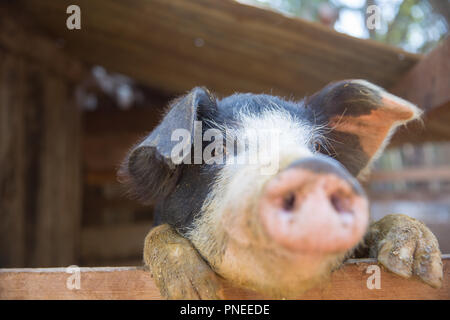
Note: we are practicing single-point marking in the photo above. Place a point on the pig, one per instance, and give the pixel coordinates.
(281, 231)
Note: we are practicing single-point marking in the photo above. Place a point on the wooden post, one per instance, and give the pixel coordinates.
(427, 84)
(12, 163)
(40, 176)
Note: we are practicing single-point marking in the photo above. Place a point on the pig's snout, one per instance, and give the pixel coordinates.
(314, 206)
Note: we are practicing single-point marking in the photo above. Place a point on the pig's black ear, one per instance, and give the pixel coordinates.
(149, 170)
(358, 119)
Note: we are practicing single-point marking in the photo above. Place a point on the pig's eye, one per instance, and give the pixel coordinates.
(317, 146)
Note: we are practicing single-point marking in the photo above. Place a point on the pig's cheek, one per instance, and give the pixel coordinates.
(236, 225)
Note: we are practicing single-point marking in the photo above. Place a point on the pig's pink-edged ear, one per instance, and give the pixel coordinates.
(359, 119)
(149, 171)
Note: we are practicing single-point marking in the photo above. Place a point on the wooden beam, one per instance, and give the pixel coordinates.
(222, 44)
(429, 197)
(349, 282)
(427, 84)
(15, 37)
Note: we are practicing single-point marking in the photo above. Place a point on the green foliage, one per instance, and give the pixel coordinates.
(414, 25)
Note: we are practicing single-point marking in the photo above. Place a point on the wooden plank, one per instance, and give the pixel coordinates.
(409, 195)
(349, 282)
(412, 174)
(222, 44)
(427, 84)
(32, 45)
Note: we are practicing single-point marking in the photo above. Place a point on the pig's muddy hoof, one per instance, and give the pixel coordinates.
(191, 284)
(177, 268)
(406, 247)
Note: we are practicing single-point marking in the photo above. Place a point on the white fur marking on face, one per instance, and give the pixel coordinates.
(275, 135)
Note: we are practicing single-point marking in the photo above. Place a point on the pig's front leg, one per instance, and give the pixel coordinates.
(406, 247)
(177, 268)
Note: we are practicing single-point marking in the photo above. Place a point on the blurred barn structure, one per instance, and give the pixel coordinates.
(73, 101)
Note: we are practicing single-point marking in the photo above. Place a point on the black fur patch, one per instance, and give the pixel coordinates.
(148, 170)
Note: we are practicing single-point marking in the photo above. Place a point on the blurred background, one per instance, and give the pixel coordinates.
(72, 102)
(413, 25)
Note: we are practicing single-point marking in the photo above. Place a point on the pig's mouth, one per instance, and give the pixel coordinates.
(314, 207)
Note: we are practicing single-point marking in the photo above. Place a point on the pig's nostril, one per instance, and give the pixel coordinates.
(340, 203)
(289, 202)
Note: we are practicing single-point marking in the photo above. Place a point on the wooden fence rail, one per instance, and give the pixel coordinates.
(349, 282)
